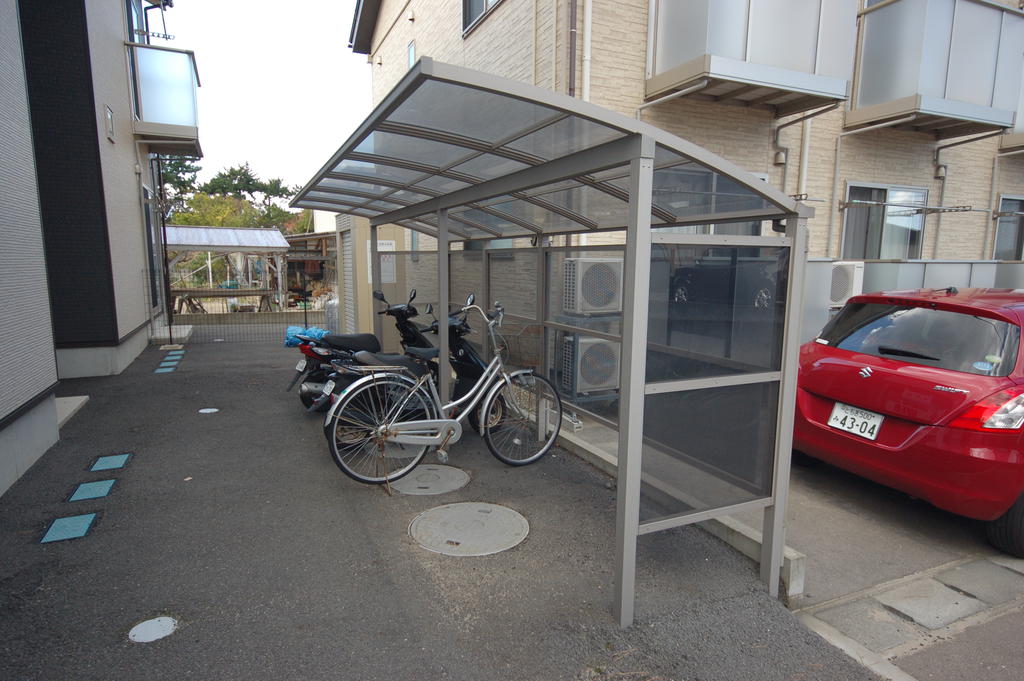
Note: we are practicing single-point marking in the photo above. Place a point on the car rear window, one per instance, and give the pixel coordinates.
(921, 335)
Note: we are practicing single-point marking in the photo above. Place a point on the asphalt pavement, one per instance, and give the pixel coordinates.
(237, 524)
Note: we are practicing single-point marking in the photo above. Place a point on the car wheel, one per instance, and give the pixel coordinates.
(1006, 532)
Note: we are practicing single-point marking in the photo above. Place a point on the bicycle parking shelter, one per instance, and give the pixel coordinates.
(704, 330)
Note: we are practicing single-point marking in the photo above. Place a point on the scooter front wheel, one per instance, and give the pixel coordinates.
(353, 431)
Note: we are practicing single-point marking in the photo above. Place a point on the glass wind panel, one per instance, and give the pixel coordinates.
(413, 149)
(715, 311)
(585, 369)
(690, 190)
(567, 136)
(584, 289)
(707, 449)
(377, 171)
(513, 280)
(441, 184)
(167, 86)
(603, 208)
(489, 166)
(466, 111)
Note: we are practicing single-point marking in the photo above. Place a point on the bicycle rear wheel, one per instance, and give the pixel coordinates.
(352, 434)
(522, 420)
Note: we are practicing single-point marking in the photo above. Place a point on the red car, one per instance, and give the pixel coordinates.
(923, 391)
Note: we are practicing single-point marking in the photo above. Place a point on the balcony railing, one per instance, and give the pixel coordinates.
(784, 55)
(166, 108)
(954, 65)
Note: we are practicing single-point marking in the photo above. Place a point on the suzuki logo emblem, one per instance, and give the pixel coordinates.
(865, 372)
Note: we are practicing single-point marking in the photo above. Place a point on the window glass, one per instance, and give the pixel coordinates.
(919, 335)
(474, 9)
(883, 223)
(1008, 232)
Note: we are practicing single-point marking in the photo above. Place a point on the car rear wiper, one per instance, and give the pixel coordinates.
(888, 350)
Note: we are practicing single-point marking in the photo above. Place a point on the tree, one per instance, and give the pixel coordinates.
(268, 198)
(179, 179)
(218, 211)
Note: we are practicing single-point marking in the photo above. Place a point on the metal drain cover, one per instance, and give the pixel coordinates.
(469, 529)
(432, 479)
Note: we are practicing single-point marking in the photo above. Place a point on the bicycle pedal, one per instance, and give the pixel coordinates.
(442, 456)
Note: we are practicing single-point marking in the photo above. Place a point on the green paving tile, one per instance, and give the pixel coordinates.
(92, 490)
(70, 527)
(106, 463)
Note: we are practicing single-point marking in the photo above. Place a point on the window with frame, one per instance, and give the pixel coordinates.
(884, 222)
(474, 10)
(1009, 232)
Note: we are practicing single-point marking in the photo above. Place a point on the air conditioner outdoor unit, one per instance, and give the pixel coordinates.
(847, 281)
(592, 285)
(589, 365)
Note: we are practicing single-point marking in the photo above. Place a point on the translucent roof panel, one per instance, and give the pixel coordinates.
(478, 114)
(565, 137)
(411, 149)
(510, 159)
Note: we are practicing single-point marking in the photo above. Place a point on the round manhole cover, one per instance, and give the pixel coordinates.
(152, 630)
(432, 479)
(469, 529)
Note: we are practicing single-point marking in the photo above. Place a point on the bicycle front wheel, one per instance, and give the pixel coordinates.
(523, 418)
(353, 433)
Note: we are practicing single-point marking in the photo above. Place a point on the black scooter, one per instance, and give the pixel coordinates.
(321, 387)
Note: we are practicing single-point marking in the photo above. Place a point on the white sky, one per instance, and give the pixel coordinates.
(280, 87)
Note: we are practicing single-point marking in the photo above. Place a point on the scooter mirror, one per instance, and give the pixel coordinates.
(470, 299)
(412, 295)
(379, 295)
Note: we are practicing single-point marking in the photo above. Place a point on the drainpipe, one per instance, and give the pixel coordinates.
(993, 200)
(699, 85)
(588, 23)
(805, 151)
(940, 174)
(835, 173)
(572, 48)
(783, 152)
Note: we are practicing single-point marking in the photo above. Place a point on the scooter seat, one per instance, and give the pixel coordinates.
(423, 353)
(353, 342)
(384, 359)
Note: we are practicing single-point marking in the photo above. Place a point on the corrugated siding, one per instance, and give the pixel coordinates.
(27, 365)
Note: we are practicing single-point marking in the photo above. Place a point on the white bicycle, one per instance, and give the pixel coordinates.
(384, 423)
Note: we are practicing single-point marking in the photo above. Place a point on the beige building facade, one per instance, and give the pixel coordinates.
(831, 101)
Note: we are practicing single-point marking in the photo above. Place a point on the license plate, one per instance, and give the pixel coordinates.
(328, 387)
(859, 422)
(301, 366)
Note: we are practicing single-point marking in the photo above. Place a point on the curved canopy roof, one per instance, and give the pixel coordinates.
(508, 159)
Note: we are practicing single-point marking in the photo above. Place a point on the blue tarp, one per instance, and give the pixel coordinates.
(290, 340)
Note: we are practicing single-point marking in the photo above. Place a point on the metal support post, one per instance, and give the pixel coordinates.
(378, 329)
(773, 531)
(443, 370)
(632, 379)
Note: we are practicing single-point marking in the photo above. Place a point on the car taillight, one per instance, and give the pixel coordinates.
(1003, 410)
